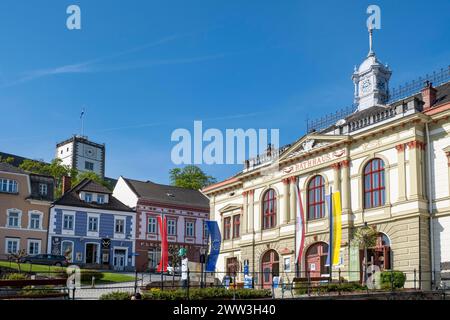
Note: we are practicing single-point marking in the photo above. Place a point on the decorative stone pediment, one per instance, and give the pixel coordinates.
(231, 207)
(311, 142)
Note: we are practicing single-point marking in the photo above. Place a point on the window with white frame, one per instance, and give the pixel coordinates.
(68, 221)
(120, 226)
(8, 185)
(88, 197)
(35, 220)
(93, 224)
(12, 245)
(14, 217)
(34, 247)
(152, 223)
(43, 189)
(89, 166)
(171, 227)
(189, 228)
(100, 199)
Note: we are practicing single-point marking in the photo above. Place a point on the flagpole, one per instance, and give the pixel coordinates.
(331, 234)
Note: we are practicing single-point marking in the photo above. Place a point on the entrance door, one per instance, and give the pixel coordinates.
(270, 266)
(91, 253)
(119, 259)
(315, 260)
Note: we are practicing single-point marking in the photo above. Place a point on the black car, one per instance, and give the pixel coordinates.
(46, 259)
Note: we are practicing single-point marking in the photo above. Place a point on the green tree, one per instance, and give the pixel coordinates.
(7, 159)
(365, 237)
(190, 177)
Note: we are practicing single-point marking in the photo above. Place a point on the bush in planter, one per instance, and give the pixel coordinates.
(392, 279)
(116, 295)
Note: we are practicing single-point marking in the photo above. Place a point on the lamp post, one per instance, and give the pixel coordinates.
(202, 261)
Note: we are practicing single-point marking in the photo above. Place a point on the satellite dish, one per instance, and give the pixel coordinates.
(340, 122)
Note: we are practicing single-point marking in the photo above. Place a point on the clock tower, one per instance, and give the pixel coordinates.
(371, 81)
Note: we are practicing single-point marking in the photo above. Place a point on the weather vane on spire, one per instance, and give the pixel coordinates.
(82, 121)
(373, 22)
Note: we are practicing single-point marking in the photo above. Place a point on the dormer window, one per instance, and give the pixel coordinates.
(100, 199)
(88, 197)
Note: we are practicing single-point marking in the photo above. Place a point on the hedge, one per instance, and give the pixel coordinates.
(207, 293)
(15, 276)
(116, 295)
(392, 279)
(331, 287)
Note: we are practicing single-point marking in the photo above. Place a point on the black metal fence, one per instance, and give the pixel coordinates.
(26, 284)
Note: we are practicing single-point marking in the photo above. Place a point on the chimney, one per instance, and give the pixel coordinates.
(66, 184)
(428, 95)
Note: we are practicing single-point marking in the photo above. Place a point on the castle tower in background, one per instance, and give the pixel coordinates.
(81, 153)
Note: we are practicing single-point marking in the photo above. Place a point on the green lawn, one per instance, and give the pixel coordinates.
(108, 277)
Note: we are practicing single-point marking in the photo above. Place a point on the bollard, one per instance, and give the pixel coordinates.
(93, 282)
(415, 287)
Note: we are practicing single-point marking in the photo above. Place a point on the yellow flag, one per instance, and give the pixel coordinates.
(337, 226)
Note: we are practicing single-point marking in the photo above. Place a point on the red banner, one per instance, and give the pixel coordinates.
(164, 245)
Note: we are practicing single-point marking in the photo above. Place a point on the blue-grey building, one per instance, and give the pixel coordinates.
(92, 228)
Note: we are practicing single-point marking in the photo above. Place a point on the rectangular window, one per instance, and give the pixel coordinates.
(189, 229)
(43, 189)
(68, 222)
(100, 199)
(93, 224)
(13, 219)
(152, 225)
(9, 186)
(35, 221)
(12, 246)
(88, 197)
(34, 247)
(88, 166)
(227, 228)
(171, 227)
(205, 230)
(120, 226)
(236, 226)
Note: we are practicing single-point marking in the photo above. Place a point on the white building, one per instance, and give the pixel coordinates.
(84, 155)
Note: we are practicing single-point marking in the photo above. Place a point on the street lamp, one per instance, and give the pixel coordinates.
(202, 261)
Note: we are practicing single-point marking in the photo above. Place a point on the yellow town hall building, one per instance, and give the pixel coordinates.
(389, 158)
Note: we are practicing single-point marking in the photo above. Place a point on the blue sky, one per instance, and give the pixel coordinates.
(145, 68)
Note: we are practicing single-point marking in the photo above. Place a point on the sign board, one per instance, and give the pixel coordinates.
(354, 267)
(248, 282)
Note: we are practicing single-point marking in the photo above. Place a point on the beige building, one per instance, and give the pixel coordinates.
(377, 157)
(25, 201)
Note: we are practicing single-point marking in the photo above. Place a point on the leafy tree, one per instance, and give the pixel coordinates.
(365, 237)
(190, 177)
(7, 159)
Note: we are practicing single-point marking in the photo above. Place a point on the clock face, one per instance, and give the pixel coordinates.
(89, 152)
(366, 85)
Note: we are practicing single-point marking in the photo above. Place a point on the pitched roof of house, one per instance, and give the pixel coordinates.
(168, 194)
(72, 197)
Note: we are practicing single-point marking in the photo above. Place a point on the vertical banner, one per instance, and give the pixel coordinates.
(329, 201)
(162, 266)
(216, 240)
(337, 227)
(299, 225)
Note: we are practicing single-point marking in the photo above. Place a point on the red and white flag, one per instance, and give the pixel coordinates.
(299, 225)
(163, 263)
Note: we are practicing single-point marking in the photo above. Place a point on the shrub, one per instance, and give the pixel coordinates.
(206, 293)
(41, 291)
(86, 275)
(15, 276)
(116, 295)
(330, 287)
(392, 279)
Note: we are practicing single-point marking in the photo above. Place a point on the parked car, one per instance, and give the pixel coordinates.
(46, 259)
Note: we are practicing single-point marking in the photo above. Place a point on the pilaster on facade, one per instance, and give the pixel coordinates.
(293, 203)
(401, 172)
(336, 179)
(345, 186)
(416, 149)
(251, 213)
(286, 213)
(245, 212)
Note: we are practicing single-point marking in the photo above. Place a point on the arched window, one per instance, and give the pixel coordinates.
(316, 198)
(269, 209)
(374, 184)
